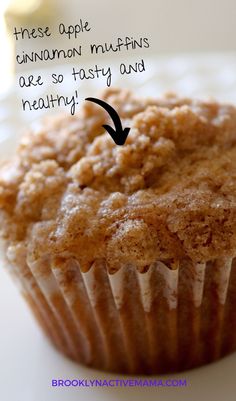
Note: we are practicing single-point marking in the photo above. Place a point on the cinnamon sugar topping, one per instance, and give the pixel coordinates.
(168, 194)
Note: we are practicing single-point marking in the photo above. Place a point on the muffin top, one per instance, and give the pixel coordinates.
(168, 194)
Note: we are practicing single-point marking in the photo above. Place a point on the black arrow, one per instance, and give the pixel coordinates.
(118, 134)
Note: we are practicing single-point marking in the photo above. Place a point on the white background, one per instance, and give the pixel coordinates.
(173, 25)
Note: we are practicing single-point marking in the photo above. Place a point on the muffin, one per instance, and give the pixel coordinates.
(126, 254)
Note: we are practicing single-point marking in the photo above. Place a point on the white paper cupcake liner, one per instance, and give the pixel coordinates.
(160, 321)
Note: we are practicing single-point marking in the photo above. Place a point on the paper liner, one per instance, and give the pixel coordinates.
(155, 322)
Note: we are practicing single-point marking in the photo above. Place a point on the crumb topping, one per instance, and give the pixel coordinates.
(168, 194)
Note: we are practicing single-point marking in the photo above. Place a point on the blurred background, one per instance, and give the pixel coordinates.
(182, 26)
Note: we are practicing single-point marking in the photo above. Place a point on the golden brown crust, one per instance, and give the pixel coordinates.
(169, 193)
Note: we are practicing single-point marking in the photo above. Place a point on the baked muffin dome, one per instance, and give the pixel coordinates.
(169, 193)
